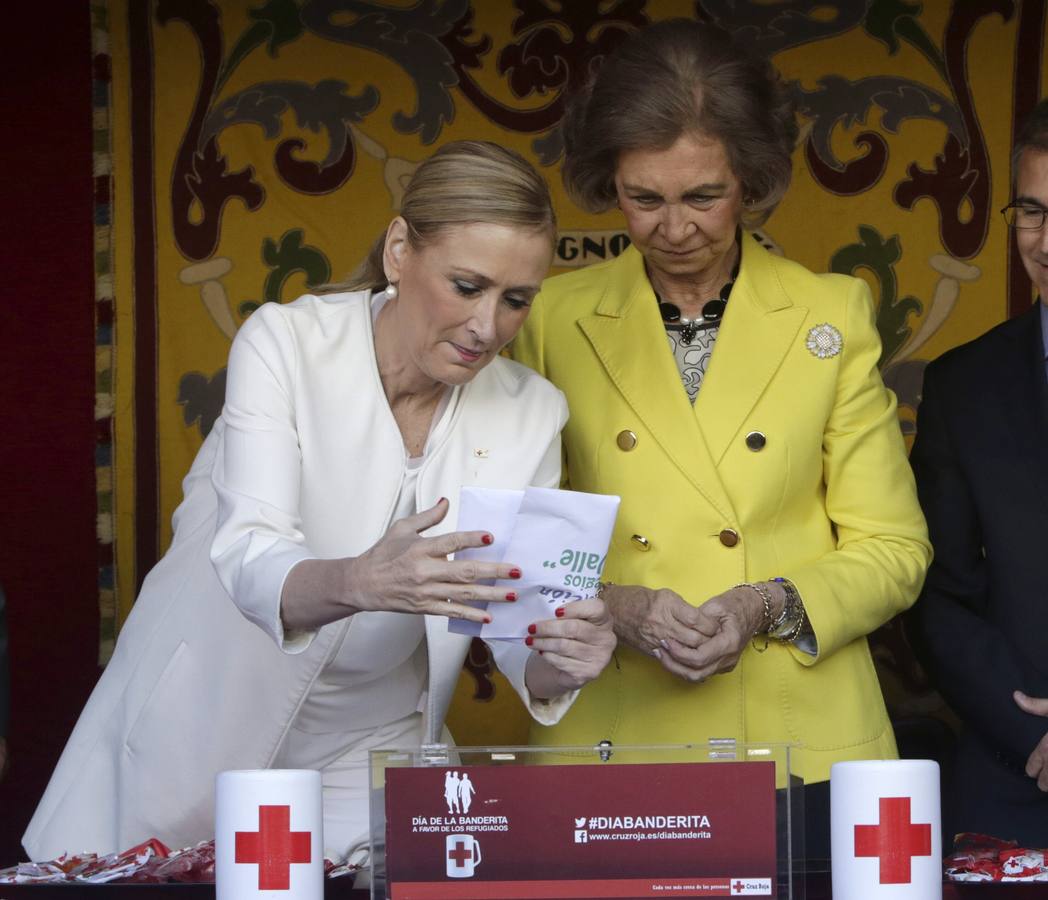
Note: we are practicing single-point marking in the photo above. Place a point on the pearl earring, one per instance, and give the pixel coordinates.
(391, 291)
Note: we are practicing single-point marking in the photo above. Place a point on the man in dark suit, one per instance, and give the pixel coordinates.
(981, 459)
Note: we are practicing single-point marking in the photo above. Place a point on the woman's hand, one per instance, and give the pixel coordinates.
(691, 642)
(1037, 763)
(727, 623)
(647, 620)
(571, 649)
(403, 572)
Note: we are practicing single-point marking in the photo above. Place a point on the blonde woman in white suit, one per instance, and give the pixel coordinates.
(299, 618)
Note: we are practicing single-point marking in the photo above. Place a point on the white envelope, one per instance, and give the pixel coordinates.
(559, 540)
(494, 511)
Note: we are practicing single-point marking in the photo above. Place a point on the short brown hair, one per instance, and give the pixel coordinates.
(463, 183)
(1032, 136)
(673, 78)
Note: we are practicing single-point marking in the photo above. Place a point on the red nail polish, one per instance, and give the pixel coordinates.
(487, 539)
(487, 620)
(559, 612)
(515, 573)
(511, 596)
(532, 629)
(529, 640)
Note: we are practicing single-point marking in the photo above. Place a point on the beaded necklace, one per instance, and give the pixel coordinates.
(711, 314)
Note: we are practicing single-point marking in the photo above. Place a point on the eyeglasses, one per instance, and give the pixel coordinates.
(1025, 217)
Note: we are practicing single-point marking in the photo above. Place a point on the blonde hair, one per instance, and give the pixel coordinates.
(463, 183)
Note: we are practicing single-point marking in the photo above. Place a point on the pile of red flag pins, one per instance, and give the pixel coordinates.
(978, 857)
(150, 862)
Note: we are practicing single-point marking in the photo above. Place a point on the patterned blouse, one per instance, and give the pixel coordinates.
(692, 359)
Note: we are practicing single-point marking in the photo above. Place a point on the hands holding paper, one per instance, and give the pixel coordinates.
(408, 573)
(692, 642)
(560, 540)
(572, 649)
(404, 572)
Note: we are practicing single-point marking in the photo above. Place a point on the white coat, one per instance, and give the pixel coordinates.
(305, 462)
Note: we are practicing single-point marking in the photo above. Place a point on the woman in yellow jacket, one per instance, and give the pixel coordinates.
(769, 520)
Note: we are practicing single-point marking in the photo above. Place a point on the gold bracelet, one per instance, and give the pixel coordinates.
(763, 628)
(783, 617)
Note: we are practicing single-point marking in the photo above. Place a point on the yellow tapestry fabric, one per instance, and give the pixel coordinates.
(258, 148)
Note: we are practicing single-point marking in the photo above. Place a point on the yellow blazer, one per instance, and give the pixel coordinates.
(828, 502)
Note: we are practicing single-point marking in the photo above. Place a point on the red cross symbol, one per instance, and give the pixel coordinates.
(460, 854)
(895, 840)
(273, 847)
(737, 887)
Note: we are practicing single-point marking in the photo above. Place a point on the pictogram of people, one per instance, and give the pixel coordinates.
(451, 791)
(466, 791)
(458, 792)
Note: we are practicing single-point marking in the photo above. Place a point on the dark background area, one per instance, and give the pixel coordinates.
(47, 541)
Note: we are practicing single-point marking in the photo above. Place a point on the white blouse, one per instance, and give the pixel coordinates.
(377, 675)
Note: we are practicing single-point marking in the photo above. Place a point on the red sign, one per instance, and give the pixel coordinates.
(274, 847)
(582, 831)
(895, 841)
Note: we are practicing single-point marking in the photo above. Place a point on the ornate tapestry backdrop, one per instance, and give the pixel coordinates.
(258, 149)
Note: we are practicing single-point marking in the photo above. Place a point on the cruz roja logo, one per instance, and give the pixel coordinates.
(750, 887)
(461, 855)
(458, 792)
(581, 835)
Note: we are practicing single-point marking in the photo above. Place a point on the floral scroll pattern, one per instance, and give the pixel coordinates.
(320, 90)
